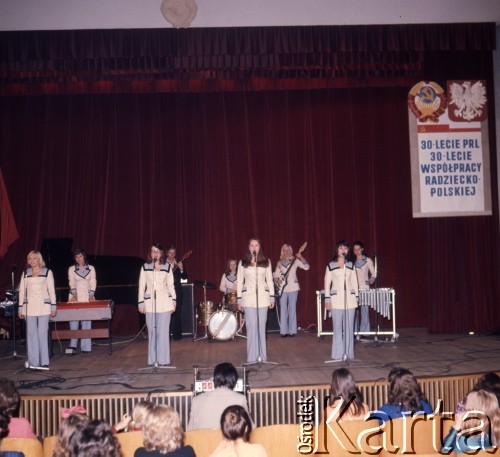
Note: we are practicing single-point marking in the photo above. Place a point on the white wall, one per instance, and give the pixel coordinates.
(106, 14)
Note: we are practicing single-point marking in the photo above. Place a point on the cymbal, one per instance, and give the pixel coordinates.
(205, 284)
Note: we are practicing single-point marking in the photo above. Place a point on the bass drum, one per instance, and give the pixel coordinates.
(223, 325)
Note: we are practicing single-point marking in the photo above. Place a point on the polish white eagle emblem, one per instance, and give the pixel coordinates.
(467, 101)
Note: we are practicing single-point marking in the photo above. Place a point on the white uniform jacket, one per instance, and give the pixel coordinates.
(37, 294)
(227, 283)
(334, 285)
(245, 285)
(366, 272)
(163, 282)
(292, 282)
(82, 281)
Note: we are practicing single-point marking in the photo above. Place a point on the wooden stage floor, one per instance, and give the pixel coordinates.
(300, 361)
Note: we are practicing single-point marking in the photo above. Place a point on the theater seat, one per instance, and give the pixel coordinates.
(49, 443)
(203, 441)
(30, 447)
(129, 442)
(278, 440)
(350, 437)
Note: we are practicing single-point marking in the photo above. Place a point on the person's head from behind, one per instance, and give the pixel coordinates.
(4, 423)
(404, 389)
(94, 439)
(68, 426)
(162, 430)
(9, 397)
(483, 412)
(235, 423)
(489, 382)
(343, 386)
(140, 412)
(225, 375)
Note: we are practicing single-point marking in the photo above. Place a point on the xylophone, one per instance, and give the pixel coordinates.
(382, 300)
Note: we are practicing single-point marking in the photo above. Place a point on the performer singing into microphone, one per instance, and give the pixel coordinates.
(37, 302)
(82, 285)
(366, 273)
(157, 300)
(255, 291)
(341, 292)
(285, 276)
(180, 274)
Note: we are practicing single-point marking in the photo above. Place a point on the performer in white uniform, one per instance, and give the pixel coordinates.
(255, 291)
(158, 301)
(228, 280)
(285, 275)
(366, 273)
(82, 285)
(341, 292)
(37, 302)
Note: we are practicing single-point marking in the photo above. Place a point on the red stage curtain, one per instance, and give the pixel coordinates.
(208, 171)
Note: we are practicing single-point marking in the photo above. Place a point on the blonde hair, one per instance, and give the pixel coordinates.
(488, 417)
(162, 430)
(282, 255)
(140, 412)
(68, 426)
(40, 258)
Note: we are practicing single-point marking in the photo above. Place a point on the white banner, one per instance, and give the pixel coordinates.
(449, 157)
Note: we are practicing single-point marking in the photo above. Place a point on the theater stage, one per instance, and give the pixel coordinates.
(299, 361)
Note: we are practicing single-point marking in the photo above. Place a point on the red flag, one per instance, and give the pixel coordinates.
(8, 229)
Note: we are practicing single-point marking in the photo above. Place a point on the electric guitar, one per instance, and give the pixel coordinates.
(283, 277)
(184, 257)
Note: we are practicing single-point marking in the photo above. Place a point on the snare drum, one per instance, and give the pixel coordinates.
(223, 325)
(230, 301)
(204, 311)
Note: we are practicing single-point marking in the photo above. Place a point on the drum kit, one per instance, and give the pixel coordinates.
(222, 321)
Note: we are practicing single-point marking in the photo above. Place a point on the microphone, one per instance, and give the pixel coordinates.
(13, 268)
(255, 255)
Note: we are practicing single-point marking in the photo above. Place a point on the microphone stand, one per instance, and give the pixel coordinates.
(377, 325)
(260, 360)
(14, 309)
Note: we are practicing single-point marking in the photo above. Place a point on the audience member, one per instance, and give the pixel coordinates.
(489, 382)
(236, 426)
(136, 421)
(405, 397)
(163, 435)
(343, 388)
(4, 424)
(207, 408)
(94, 439)
(10, 401)
(477, 427)
(68, 426)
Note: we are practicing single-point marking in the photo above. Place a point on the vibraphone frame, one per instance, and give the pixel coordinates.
(321, 315)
